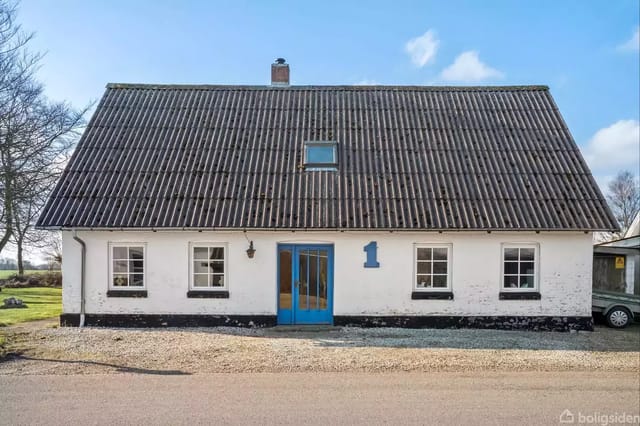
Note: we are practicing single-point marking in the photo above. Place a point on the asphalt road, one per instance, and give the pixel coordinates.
(324, 398)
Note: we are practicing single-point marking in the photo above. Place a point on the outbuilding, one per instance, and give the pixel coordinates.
(404, 206)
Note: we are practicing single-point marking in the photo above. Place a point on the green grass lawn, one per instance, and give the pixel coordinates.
(7, 273)
(42, 302)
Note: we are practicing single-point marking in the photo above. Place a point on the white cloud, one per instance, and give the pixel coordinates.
(422, 49)
(633, 44)
(366, 82)
(613, 149)
(468, 67)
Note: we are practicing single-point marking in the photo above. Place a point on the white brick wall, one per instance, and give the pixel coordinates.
(565, 273)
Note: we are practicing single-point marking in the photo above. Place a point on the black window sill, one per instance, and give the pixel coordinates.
(127, 293)
(208, 294)
(437, 295)
(520, 295)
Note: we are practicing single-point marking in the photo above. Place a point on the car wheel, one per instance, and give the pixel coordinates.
(618, 317)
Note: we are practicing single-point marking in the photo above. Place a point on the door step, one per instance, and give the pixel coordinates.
(304, 328)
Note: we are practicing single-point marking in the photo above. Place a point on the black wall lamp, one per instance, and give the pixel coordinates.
(251, 251)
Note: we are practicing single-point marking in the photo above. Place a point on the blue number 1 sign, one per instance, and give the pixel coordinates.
(372, 255)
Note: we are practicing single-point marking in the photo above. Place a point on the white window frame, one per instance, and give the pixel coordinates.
(321, 166)
(208, 244)
(536, 267)
(114, 244)
(449, 248)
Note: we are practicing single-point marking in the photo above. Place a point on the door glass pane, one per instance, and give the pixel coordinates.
(324, 274)
(285, 279)
(303, 288)
(313, 279)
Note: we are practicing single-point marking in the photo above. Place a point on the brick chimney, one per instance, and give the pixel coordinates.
(280, 73)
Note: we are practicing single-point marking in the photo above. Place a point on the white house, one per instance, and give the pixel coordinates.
(347, 205)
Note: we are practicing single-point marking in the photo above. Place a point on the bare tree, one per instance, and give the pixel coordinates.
(25, 213)
(624, 198)
(36, 135)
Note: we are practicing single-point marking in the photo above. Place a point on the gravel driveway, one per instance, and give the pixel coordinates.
(45, 349)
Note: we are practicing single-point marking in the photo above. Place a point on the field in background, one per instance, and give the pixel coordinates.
(42, 302)
(7, 273)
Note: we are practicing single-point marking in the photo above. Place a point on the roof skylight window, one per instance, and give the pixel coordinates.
(321, 155)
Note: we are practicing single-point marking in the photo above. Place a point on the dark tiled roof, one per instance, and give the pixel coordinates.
(156, 156)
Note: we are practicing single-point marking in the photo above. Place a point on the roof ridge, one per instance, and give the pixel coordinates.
(488, 88)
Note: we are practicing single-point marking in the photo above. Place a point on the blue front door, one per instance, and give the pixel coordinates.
(305, 284)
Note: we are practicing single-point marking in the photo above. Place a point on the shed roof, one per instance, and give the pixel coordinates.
(410, 158)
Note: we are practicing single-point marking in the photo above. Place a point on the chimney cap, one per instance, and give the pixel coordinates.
(280, 61)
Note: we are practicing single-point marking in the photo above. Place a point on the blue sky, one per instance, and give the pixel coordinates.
(586, 51)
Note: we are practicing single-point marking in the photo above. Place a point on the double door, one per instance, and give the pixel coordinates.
(305, 284)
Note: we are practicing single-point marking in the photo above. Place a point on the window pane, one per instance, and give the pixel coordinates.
(120, 253)
(136, 266)
(439, 267)
(511, 281)
(120, 280)
(216, 266)
(200, 266)
(319, 154)
(526, 281)
(527, 254)
(526, 268)
(423, 281)
(120, 266)
(440, 281)
(217, 280)
(424, 267)
(201, 280)
(440, 253)
(511, 254)
(510, 267)
(136, 252)
(137, 280)
(200, 253)
(424, 254)
(217, 253)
